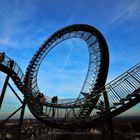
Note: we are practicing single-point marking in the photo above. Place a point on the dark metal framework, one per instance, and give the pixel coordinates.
(98, 57)
(97, 69)
(13, 71)
(102, 102)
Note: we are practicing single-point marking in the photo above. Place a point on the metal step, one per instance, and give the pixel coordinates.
(125, 99)
(113, 107)
(116, 104)
(134, 94)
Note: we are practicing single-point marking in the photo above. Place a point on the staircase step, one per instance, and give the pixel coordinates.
(113, 107)
(125, 99)
(115, 104)
(90, 103)
(84, 113)
(85, 109)
(83, 116)
(135, 93)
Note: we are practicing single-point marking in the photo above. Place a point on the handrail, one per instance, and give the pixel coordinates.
(16, 69)
(104, 87)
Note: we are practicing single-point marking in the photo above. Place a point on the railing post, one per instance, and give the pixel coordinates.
(4, 90)
(107, 130)
(106, 101)
(21, 118)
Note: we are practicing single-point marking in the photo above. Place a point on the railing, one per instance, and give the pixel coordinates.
(117, 91)
(112, 87)
(94, 57)
(16, 69)
(123, 86)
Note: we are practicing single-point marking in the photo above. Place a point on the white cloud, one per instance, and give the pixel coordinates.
(17, 28)
(67, 59)
(7, 42)
(126, 11)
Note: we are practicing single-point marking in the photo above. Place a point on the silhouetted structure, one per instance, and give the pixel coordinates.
(96, 102)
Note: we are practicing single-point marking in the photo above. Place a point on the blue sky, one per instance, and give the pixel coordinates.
(24, 26)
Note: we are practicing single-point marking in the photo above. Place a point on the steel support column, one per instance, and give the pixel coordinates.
(4, 89)
(21, 118)
(107, 131)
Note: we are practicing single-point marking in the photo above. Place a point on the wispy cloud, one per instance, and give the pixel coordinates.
(126, 11)
(17, 28)
(7, 41)
(66, 60)
(64, 70)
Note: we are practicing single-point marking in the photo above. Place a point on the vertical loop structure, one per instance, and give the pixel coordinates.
(97, 67)
(96, 102)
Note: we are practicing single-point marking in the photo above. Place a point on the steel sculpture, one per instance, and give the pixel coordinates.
(96, 102)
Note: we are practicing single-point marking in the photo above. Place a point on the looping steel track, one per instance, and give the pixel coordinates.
(76, 114)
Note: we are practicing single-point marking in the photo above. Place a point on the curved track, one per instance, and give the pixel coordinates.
(90, 107)
(97, 70)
